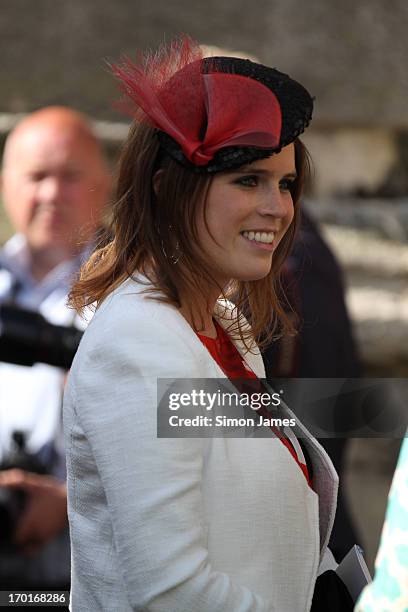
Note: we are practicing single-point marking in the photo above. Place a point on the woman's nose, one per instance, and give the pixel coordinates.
(275, 203)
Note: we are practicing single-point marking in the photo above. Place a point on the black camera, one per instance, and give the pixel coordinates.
(27, 338)
(13, 501)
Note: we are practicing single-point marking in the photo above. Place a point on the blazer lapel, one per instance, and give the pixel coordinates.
(325, 478)
(326, 481)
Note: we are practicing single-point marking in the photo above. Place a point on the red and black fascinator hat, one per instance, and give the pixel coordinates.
(216, 113)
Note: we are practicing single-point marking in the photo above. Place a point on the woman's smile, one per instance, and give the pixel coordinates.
(261, 239)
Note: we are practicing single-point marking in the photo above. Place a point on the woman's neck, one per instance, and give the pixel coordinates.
(201, 320)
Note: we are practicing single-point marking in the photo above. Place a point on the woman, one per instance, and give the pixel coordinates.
(208, 192)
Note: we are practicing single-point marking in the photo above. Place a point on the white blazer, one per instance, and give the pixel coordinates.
(179, 525)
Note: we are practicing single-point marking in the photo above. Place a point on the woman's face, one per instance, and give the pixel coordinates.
(248, 211)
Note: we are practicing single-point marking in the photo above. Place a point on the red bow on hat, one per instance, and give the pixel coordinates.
(202, 112)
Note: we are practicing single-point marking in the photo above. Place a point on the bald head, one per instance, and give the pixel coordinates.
(55, 182)
(52, 119)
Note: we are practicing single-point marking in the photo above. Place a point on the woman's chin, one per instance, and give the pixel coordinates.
(253, 275)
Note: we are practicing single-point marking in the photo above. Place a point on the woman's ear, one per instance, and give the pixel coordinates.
(156, 181)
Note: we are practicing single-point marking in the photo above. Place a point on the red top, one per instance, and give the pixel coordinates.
(233, 365)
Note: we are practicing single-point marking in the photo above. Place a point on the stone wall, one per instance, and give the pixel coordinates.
(375, 272)
(352, 56)
(363, 163)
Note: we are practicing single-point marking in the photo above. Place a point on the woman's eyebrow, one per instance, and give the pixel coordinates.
(262, 171)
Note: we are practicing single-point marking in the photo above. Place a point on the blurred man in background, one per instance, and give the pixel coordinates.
(55, 184)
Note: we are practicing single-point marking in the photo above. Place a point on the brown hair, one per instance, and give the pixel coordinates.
(152, 225)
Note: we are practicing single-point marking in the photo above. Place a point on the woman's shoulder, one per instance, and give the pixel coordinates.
(130, 325)
(134, 300)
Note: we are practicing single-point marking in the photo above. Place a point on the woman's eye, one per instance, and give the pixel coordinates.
(248, 181)
(286, 184)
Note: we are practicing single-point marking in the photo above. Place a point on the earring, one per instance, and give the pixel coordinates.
(174, 257)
